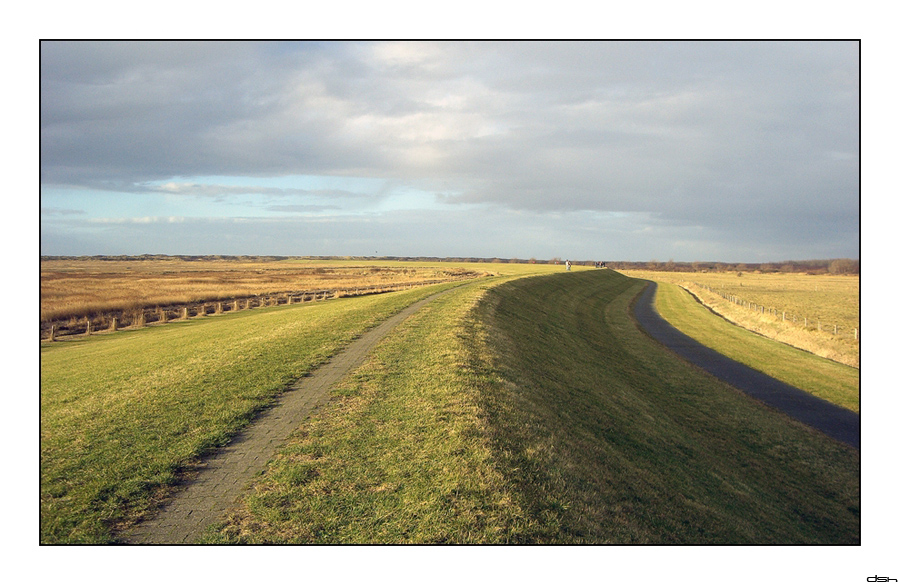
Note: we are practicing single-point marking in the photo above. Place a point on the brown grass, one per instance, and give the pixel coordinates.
(90, 287)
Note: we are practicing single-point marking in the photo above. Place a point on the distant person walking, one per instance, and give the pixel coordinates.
(568, 265)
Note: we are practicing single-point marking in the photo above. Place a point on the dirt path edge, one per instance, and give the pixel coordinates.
(223, 477)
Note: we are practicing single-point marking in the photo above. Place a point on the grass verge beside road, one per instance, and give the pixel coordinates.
(829, 380)
(802, 309)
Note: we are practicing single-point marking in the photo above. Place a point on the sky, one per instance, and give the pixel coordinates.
(691, 151)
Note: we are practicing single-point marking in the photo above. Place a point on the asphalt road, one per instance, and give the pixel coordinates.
(836, 422)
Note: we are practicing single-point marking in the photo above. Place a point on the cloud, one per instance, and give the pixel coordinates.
(135, 220)
(60, 211)
(219, 190)
(301, 208)
(762, 137)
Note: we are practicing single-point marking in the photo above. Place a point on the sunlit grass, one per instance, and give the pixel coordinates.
(802, 304)
(541, 414)
(824, 378)
(121, 414)
(400, 457)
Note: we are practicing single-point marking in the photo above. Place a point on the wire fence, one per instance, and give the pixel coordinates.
(809, 323)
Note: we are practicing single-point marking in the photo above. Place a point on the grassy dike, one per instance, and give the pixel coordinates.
(123, 414)
(537, 412)
(829, 380)
(400, 455)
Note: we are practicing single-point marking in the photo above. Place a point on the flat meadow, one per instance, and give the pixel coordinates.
(86, 286)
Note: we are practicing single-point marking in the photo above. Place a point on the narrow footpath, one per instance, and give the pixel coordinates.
(836, 422)
(224, 476)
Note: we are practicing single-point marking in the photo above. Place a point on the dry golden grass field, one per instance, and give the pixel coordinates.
(78, 288)
(817, 313)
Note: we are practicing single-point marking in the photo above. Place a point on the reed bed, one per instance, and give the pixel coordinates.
(88, 287)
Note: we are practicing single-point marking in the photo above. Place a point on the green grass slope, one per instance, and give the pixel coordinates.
(399, 456)
(616, 440)
(829, 380)
(122, 414)
(535, 411)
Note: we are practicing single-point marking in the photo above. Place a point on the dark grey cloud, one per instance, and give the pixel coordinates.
(760, 137)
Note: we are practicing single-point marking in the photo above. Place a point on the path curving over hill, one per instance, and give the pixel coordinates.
(836, 422)
(224, 476)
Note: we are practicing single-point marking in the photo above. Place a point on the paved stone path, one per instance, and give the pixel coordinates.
(223, 477)
(836, 422)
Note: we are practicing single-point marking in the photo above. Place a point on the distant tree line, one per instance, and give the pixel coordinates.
(831, 266)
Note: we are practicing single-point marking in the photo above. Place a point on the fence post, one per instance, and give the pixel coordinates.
(114, 325)
(184, 313)
(53, 332)
(88, 330)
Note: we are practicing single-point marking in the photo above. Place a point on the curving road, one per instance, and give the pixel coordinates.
(836, 422)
